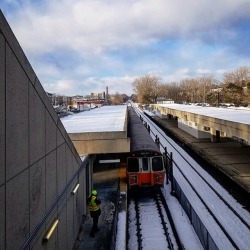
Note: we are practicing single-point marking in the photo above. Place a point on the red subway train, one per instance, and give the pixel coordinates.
(145, 164)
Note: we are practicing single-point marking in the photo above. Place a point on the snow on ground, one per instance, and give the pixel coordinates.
(184, 229)
(121, 233)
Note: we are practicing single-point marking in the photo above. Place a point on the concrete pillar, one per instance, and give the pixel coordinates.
(215, 135)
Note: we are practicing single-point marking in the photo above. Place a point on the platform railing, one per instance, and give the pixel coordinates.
(112, 245)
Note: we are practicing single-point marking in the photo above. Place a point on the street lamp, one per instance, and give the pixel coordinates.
(218, 96)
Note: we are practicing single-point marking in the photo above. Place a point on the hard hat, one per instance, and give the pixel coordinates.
(94, 192)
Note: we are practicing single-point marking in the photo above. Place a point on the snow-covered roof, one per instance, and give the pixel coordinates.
(228, 114)
(103, 119)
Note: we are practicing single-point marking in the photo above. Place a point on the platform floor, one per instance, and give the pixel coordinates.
(230, 157)
(106, 183)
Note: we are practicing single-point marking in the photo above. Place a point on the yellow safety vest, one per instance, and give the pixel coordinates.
(92, 204)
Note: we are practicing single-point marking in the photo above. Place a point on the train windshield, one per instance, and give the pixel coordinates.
(157, 164)
(133, 165)
(145, 165)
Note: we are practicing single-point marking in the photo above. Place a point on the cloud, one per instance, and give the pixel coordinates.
(91, 27)
(88, 85)
(83, 45)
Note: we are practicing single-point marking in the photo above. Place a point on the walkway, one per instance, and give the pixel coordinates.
(106, 184)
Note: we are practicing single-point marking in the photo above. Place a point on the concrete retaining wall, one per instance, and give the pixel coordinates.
(193, 131)
(37, 159)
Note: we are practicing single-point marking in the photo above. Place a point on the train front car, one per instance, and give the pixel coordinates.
(145, 165)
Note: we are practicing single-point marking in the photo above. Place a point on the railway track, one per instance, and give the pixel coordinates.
(149, 224)
(225, 214)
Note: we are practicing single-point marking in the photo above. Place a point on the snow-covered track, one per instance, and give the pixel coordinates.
(222, 214)
(147, 217)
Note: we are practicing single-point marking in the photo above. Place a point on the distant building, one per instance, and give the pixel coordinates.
(162, 100)
(78, 102)
(97, 96)
(77, 97)
(57, 100)
(107, 93)
(50, 96)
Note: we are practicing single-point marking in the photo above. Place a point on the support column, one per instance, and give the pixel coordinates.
(215, 135)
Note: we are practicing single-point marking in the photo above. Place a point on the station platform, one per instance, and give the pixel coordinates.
(108, 182)
(228, 156)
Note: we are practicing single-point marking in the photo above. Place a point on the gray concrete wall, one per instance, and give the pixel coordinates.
(194, 131)
(37, 158)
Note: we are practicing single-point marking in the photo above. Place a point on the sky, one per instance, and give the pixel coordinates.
(78, 47)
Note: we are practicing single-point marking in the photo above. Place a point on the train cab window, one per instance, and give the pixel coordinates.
(157, 164)
(133, 165)
(145, 165)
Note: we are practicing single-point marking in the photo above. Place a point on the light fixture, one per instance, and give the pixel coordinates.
(110, 161)
(75, 189)
(50, 230)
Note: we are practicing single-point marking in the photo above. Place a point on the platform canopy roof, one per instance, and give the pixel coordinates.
(233, 114)
(100, 130)
(103, 119)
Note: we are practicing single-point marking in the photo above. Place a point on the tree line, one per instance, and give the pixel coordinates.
(234, 88)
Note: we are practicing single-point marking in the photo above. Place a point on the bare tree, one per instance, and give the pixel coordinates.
(239, 76)
(236, 83)
(235, 87)
(147, 88)
(205, 83)
(163, 90)
(117, 98)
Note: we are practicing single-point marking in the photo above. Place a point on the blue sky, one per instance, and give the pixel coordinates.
(82, 46)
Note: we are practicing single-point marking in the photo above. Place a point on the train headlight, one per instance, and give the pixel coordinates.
(158, 178)
(133, 180)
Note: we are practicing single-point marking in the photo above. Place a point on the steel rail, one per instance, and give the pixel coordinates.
(197, 172)
(202, 200)
(165, 228)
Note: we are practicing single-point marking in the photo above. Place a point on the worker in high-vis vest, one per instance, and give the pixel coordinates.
(95, 211)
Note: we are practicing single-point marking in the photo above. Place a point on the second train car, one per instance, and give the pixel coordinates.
(145, 164)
